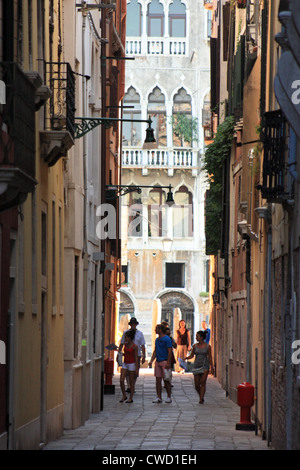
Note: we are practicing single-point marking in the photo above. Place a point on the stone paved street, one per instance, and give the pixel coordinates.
(183, 425)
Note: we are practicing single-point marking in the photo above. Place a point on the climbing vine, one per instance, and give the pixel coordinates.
(215, 156)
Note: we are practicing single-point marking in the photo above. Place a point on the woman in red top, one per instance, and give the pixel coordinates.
(130, 365)
(183, 341)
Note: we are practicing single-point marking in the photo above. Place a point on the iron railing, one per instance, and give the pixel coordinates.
(61, 112)
(274, 163)
(17, 144)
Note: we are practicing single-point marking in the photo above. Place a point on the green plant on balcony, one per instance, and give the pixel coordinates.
(185, 127)
(214, 158)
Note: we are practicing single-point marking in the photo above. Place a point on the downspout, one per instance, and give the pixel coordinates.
(103, 189)
(267, 342)
(85, 247)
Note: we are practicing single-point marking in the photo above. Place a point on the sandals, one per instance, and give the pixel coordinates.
(123, 399)
(129, 401)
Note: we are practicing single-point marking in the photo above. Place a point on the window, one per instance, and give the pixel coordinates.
(177, 19)
(135, 227)
(155, 16)
(183, 214)
(182, 109)
(132, 130)
(44, 244)
(157, 112)
(157, 213)
(124, 275)
(134, 19)
(175, 275)
(53, 258)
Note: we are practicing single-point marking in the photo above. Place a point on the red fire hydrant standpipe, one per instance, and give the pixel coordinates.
(245, 399)
(109, 388)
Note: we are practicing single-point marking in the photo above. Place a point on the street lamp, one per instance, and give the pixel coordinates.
(113, 191)
(86, 124)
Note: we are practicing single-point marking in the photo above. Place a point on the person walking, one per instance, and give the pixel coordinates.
(183, 341)
(163, 355)
(203, 359)
(139, 340)
(207, 330)
(130, 365)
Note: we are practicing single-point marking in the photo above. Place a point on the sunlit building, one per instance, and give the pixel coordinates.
(164, 265)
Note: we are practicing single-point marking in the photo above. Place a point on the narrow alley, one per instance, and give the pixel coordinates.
(183, 425)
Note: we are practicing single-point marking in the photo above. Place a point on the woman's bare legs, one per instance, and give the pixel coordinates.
(203, 379)
(122, 383)
(131, 384)
(200, 385)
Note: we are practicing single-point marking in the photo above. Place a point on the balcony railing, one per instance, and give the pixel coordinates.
(273, 187)
(156, 46)
(19, 117)
(137, 157)
(61, 80)
(17, 137)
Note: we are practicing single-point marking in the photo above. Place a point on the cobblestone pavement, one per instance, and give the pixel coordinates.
(183, 425)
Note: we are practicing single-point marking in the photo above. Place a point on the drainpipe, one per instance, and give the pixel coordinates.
(103, 189)
(267, 342)
(85, 247)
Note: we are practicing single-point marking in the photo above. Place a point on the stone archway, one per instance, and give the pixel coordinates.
(126, 310)
(174, 299)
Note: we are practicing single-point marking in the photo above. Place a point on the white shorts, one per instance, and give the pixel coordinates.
(130, 367)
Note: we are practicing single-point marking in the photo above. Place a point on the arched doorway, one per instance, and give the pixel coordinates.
(174, 299)
(126, 306)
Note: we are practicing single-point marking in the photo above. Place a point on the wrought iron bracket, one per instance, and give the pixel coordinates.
(86, 124)
(114, 191)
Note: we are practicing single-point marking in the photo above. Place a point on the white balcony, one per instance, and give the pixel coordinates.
(156, 46)
(170, 159)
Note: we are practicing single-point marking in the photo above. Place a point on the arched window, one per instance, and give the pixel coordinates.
(134, 19)
(157, 213)
(183, 213)
(155, 19)
(157, 112)
(135, 219)
(183, 131)
(177, 19)
(132, 130)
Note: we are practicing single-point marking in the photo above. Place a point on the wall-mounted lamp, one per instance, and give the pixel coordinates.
(86, 124)
(113, 191)
(216, 297)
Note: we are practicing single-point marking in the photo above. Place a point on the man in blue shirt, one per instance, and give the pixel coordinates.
(163, 355)
(207, 330)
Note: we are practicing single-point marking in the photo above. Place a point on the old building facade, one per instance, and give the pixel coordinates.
(256, 268)
(57, 283)
(163, 258)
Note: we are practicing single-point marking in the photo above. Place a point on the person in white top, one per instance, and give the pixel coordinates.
(139, 340)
